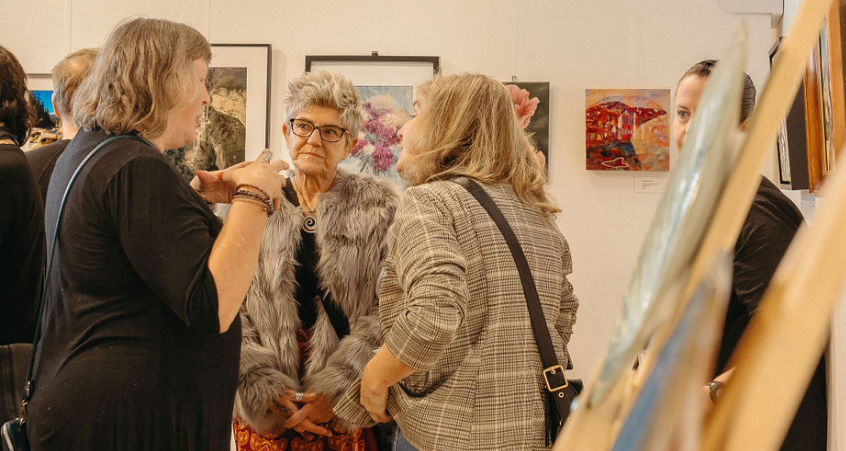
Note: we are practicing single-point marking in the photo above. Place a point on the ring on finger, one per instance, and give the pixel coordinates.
(266, 155)
(298, 396)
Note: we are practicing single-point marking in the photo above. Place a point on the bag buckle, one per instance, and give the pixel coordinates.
(554, 378)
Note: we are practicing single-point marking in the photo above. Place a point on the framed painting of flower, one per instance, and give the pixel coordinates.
(531, 103)
(386, 86)
(384, 110)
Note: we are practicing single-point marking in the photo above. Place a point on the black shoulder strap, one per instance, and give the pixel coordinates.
(553, 372)
(30, 382)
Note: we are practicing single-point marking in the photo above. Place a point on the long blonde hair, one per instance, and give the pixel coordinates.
(470, 129)
(139, 75)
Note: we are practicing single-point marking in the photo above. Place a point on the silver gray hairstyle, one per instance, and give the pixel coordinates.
(328, 90)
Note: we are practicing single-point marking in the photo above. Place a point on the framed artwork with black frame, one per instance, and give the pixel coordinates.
(236, 124)
(386, 86)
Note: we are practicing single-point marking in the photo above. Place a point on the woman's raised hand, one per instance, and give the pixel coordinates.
(218, 186)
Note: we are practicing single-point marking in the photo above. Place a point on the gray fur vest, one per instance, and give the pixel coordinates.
(353, 218)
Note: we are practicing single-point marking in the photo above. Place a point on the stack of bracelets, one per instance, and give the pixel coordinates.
(256, 195)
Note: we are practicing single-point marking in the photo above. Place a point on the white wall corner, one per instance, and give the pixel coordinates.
(772, 7)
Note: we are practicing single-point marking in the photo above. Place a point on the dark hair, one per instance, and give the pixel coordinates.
(16, 113)
(747, 102)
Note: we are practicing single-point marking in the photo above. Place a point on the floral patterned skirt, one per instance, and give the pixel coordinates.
(247, 439)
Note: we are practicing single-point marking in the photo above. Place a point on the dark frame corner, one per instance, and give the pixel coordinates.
(434, 60)
(269, 83)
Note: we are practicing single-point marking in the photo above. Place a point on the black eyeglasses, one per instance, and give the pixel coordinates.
(328, 133)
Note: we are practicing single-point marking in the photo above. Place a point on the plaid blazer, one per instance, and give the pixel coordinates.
(452, 307)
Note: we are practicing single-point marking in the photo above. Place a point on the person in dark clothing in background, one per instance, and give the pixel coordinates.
(21, 236)
(767, 232)
(67, 76)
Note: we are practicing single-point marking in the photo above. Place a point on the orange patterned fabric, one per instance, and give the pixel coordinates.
(246, 439)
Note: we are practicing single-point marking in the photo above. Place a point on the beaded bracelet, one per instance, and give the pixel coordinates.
(245, 185)
(246, 194)
(252, 201)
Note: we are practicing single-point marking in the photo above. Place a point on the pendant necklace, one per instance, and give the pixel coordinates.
(309, 221)
(309, 214)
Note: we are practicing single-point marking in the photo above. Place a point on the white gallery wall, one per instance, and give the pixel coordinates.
(574, 45)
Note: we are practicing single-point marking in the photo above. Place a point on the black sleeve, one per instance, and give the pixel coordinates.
(167, 235)
(762, 243)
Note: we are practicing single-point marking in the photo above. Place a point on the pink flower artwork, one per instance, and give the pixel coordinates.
(524, 107)
(384, 110)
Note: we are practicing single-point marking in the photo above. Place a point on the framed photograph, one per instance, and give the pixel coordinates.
(236, 125)
(531, 101)
(386, 85)
(627, 129)
(47, 124)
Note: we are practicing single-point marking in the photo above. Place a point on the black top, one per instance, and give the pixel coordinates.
(21, 247)
(308, 290)
(131, 356)
(767, 231)
(766, 234)
(42, 161)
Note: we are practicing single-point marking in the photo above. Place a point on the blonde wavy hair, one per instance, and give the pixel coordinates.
(470, 129)
(141, 72)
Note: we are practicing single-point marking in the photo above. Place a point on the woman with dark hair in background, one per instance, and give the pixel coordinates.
(21, 236)
(767, 232)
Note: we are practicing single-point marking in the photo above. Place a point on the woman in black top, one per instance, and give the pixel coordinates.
(766, 233)
(21, 235)
(141, 339)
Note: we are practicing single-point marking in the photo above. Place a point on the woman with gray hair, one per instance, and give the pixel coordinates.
(141, 336)
(309, 318)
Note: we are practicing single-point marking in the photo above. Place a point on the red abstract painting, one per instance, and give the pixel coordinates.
(627, 129)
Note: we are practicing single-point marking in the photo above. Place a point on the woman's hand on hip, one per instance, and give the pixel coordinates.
(374, 395)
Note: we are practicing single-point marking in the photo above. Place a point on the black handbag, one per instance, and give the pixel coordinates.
(13, 432)
(560, 392)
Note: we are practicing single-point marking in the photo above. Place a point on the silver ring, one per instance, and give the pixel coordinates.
(266, 155)
(299, 396)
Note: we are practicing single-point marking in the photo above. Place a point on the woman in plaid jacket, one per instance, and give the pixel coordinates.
(459, 367)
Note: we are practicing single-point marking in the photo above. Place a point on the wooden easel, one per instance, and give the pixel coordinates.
(594, 427)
